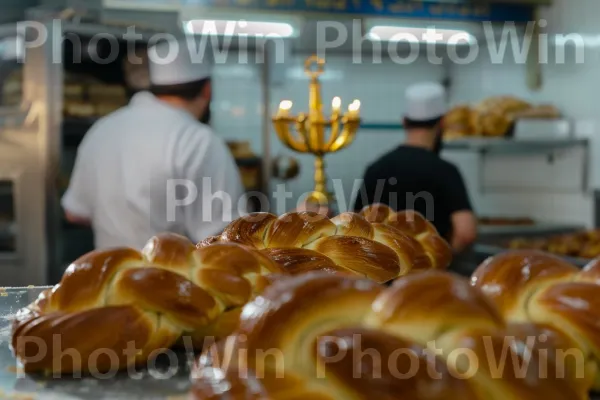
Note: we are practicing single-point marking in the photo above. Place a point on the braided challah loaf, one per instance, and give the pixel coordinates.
(532, 286)
(109, 299)
(431, 336)
(380, 246)
(415, 225)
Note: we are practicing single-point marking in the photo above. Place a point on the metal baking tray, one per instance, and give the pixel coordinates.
(495, 240)
(537, 229)
(16, 385)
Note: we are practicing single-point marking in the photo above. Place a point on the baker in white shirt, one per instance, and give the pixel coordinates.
(152, 167)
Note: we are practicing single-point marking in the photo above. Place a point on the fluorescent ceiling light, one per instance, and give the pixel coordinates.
(142, 5)
(420, 35)
(576, 39)
(220, 27)
(12, 48)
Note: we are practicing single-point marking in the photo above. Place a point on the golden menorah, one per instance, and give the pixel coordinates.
(307, 133)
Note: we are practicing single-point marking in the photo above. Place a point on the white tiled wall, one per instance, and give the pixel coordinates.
(572, 87)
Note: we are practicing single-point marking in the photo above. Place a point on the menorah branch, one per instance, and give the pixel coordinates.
(284, 132)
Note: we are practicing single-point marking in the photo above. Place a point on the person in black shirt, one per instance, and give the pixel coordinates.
(413, 176)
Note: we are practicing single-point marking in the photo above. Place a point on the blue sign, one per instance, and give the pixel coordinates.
(385, 8)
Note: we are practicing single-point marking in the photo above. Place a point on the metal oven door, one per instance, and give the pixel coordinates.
(26, 158)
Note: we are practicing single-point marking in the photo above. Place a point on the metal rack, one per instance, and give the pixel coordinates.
(512, 146)
(490, 147)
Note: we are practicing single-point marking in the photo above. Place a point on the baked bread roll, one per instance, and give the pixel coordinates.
(505, 105)
(111, 299)
(536, 287)
(430, 336)
(379, 248)
(494, 124)
(457, 122)
(416, 226)
(173, 288)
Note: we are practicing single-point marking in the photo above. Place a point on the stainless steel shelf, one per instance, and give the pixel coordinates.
(550, 148)
(501, 145)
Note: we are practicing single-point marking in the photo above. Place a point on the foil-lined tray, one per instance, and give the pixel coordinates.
(166, 380)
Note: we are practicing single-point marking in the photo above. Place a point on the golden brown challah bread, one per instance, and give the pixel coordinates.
(458, 122)
(107, 299)
(172, 287)
(536, 287)
(379, 249)
(505, 105)
(416, 226)
(431, 336)
(492, 117)
(494, 124)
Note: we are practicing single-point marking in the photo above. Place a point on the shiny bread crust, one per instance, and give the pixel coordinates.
(108, 299)
(340, 337)
(376, 243)
(173, 287)
(531, 286)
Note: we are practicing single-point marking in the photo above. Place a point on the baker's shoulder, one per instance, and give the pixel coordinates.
(391, 157)
(102, 128)
(194, 131)
(107, 122)
(448, 170)
(197, 138)
(447, 164)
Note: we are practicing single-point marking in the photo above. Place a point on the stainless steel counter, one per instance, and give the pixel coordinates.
(16, 385)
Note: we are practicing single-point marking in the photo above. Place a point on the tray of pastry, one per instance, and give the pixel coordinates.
(494, 117)
(165, 380)
(581, 245)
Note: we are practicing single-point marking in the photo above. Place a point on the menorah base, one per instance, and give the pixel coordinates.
(316, 200)
(323, 198)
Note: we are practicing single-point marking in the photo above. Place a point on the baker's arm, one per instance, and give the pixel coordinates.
(76, 219)
(464, 222)
(464, 230)
(77, 200)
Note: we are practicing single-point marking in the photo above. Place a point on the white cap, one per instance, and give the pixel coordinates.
(175, 62)
(425, 101)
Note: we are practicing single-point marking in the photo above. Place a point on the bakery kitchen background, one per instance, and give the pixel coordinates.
(522, 128)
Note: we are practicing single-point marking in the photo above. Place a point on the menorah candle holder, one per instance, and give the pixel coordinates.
(315, 133)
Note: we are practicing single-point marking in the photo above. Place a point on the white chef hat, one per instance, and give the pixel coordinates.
(425, 101)
(174, 62)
